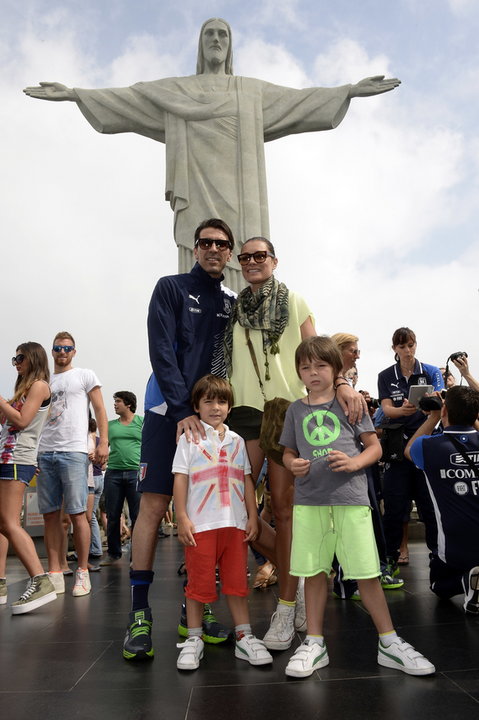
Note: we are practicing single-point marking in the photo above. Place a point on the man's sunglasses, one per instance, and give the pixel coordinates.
(18, 359)
(65, 348)
(259, 257)
(207, 243)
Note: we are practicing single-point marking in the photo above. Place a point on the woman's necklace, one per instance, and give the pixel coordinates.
(407, 372)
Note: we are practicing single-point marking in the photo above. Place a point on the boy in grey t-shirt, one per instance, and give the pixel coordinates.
(331, 512)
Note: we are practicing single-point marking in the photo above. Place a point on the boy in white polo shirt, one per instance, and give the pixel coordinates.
(217, 517)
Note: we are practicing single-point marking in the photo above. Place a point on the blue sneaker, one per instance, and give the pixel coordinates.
(137, 644)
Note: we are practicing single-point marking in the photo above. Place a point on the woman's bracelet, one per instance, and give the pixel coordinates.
(341, 383)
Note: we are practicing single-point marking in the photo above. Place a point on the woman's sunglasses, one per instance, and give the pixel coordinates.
(259, 257)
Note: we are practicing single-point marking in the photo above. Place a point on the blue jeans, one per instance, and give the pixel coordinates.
(120, 485)
(63, 478)
(96, 549)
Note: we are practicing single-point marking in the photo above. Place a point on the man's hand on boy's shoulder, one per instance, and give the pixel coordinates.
(192, 428)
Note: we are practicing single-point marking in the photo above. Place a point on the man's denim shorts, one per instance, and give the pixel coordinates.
(63, 479)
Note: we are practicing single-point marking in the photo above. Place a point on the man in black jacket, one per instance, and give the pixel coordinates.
(186, 321)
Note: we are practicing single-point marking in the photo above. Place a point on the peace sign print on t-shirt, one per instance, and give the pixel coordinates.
(321, 428)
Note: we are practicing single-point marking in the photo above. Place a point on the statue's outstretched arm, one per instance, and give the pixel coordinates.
(373, 86)
(51, 91)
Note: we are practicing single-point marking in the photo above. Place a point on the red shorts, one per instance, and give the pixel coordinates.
(224, 547)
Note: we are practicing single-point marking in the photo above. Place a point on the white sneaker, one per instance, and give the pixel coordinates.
(281, 630)
(58, 581)
(82, 583)
(300, 608)
(470, 583)
(191, 653)
(310, 656)
(402, 656)
(253, 650)
(3, 591)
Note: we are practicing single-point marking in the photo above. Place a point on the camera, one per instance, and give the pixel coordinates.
(372, 403)
(457, 355)
(432, 402)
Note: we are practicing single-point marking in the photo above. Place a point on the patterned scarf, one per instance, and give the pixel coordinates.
(267, 310)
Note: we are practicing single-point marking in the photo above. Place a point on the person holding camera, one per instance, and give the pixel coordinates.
(460, 361)
(450, 461)
(403, 482)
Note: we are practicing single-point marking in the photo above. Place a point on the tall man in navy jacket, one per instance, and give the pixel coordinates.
(450, 461)
(186, 321)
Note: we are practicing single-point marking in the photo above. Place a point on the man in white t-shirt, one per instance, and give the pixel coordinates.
(63, 459)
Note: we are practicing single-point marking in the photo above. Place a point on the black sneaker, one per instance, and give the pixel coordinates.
(137, 644)
(213, 631)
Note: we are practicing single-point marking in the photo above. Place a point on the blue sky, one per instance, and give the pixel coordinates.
(374, 222)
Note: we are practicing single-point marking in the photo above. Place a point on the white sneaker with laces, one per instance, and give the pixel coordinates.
(300, 608)
(82, 583)
(281, 630)
(470, 583)
(310, 656)
(253, 650)
(191, 653)
(58, 581)
(402, 656)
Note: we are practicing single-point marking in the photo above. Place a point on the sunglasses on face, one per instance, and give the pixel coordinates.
(259, 257)
(65, 348)
(207, 243)
(18, 359)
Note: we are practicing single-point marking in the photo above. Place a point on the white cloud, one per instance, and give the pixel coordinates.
(272, 13)
(256, 58)
(346, 61)
(142, 61)
(462, 7)
(353, 211)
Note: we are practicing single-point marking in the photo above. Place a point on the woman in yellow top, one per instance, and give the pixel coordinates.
(275, 320)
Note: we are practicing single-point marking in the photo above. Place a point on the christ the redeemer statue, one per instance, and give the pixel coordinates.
(214, 126)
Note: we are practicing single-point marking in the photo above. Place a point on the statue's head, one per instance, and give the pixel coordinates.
(215, 45)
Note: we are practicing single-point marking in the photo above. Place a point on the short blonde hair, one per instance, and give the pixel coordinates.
(343, 339)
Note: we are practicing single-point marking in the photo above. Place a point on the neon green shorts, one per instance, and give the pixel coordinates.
(321, 531)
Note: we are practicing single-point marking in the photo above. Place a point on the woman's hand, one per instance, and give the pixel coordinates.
(408, 408)
(352, 402)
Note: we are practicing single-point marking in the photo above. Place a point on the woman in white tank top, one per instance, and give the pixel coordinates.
(22, 418)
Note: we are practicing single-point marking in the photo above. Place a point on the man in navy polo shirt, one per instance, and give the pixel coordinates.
(450, 461)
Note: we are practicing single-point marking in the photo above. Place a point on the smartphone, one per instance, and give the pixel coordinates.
(416, 392)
